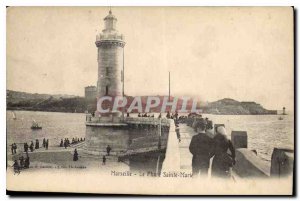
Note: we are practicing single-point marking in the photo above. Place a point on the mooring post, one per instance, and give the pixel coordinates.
(239, 139)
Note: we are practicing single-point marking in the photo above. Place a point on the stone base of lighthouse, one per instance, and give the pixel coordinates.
(119, 135)
(98, 137)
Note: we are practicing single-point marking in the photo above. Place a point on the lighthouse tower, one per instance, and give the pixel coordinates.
(110, 44)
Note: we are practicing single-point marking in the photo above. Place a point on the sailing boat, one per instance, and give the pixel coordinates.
(280, 118)
(35, 125)
(14, 115)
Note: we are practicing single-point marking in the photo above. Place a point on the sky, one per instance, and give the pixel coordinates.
(212, 53)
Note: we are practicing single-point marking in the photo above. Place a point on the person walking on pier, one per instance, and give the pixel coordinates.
(21, 162)
(103, 160)
(108, 149)
(15, 148)
(168, 115)
(27, 162)
(222, 161)
(26, 147)
(178, 133)
(65, 144)
(209, 123)
(31, 146)
(12, 148)
(176, 115)
(16, 167)
(47, 144)
(61, 143)
(75, 156)
(201, 148)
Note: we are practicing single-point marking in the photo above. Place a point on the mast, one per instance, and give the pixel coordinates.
(123, 76)
(169, 85)
(159, 147)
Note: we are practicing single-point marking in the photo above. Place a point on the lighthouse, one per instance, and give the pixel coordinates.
(108, 128)
(110, 44)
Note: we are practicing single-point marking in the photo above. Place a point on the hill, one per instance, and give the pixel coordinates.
(44, 102)
(229, 106)
(68, 103)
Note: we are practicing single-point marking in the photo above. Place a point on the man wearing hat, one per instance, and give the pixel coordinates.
(201, 148)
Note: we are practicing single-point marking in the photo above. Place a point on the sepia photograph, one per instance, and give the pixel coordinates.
(184, 100)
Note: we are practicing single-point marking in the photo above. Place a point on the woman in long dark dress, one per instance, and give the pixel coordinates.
(37, 144)
(31, 146)
(75, 156)
(222, 160)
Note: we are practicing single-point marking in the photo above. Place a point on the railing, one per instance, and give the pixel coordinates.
(128, 120)
(95, 119)
(146, 120)
(109, 37)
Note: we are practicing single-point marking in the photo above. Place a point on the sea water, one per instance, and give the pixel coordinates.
(264, 131)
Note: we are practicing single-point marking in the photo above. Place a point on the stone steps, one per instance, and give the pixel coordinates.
(98, 157)
(78, 145)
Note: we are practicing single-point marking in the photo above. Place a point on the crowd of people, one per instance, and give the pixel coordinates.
(172, 116)
(66, 142)
(143, 115)
(33, 146)
(23, 164)
(168, 115)
(30, 147)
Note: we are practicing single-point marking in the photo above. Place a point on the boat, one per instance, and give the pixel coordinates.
(280, 118)
(35, 126)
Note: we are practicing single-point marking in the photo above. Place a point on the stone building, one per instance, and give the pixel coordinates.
(90, 93)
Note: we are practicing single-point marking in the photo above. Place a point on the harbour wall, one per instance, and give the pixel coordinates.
(248, 164)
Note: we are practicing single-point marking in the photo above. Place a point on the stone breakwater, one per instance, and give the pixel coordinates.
(248, 164)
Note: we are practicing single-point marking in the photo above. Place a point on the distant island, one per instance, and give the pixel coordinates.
(229, 106)
(75, 104)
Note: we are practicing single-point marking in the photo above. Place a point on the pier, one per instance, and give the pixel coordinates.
(176, 154)
(248, 165)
